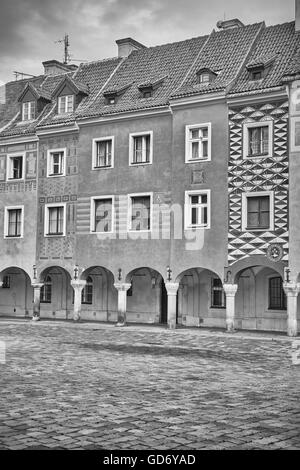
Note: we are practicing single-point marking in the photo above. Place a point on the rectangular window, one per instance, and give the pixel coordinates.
(140, 213)
(6, 282)
(102, 215)
(258, 212)
(13, 224)
(197, 209)
(103, 150)
(28, 111)
(198, 143)
(217, 294)
(56, 162)
(15, 167)
(277, 297)
(65, 104)
(258, 139)
(55, 220)
(140, 148)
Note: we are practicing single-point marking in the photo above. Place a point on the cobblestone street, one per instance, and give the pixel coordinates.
(96, 386)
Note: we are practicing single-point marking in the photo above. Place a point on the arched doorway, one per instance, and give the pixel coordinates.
(56, 297)
(16, 293)
(200, 299)
(147, 297)
(99, 298)
(260, 302)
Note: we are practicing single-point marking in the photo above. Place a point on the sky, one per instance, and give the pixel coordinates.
(29, 29)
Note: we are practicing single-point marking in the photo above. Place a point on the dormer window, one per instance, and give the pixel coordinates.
(65, 104)
(257, 74)
(147, 93)
(28, 111)
(111, 99)
(205, 76)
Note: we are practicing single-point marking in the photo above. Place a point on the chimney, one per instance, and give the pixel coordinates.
(127, 45)
(297, 15)
(230, 24)
(54, 67)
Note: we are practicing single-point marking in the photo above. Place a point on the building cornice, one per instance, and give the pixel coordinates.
(195, 100)
(275, 94)
(58, 129)
(18, 140)
(123, 116)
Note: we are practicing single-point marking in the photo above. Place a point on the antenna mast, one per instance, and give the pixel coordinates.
(66, 43)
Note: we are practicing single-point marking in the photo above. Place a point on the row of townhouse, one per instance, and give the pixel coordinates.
(160, 186)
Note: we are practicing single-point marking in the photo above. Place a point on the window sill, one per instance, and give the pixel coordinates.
(138, 231)
(257, 229)
(93, 232)
(13, 236)
(54, 235)
(260, 155)
(107, 167)
(198, 160)
(52, 175)
(198, 227)
(15, 179)
(140, 163)
(218, 307)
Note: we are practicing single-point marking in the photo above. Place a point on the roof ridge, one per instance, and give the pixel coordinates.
(107, 59)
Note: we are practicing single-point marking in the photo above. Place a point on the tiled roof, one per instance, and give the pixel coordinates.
(224, 53)
(280, 41)
(170, 61)
(171, 70)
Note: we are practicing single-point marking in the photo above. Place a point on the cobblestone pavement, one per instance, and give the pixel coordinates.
(97, 386)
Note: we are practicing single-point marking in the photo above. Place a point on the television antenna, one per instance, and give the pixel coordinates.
(66, 44)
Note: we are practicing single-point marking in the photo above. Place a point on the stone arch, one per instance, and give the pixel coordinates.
(16, 293)
(103, 305)
(59, 305)
(147, 297)
(200, 298)
(233, 271)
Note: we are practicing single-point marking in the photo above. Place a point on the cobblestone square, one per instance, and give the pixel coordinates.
(96, 386)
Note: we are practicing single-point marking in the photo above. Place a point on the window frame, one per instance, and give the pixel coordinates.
(212, 287)
(245, 197)
(246, 138)
(85, 293)
(29, 110)
(66, 103)
(94, 152)
(48, 283)
(188, 141)
(50, 173)
(132, 195)
(10, 156)
(6, 219)
(92, 213)
(46, 220)
(187, 212)
(131, 147)
(283, 298)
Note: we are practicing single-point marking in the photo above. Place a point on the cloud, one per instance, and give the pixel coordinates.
(29, 28)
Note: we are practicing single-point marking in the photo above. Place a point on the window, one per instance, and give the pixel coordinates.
(258, 139)
(258, 211)
(140, 212)
(102, 214)
(277, 297)
(87, 292)
(198, 143)
(65, 104)
(56, 162)
(140, 148)
(13, 223)
(197, 209)
(55, 220)
(28, 110)
(15, 167)
(204, 77)
(46, 291)
(218, 298)
(6, 282)
(257, 75)
(103, 152)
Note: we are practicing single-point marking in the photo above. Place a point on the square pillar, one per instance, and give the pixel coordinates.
(36, 301)
(172, 288)
(77, 285)
(230, 291)
(122, 289)
(292, 290)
